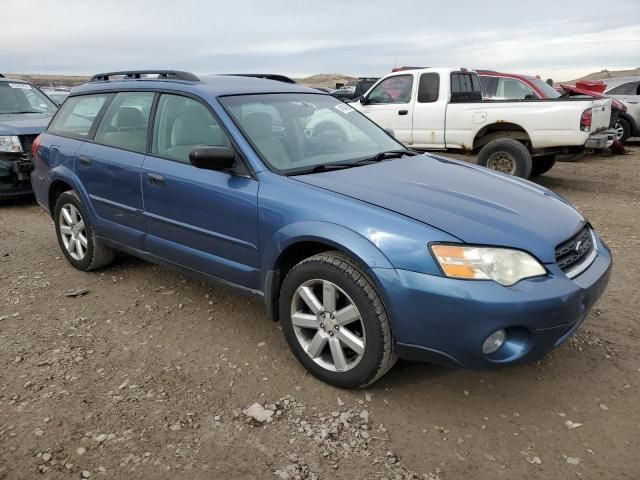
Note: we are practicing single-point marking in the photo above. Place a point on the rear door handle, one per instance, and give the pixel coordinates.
(403, 112)
(84, 160)
(155, 179)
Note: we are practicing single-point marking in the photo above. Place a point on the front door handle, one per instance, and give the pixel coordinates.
(84, 160)
(403, 112)
(155, 179)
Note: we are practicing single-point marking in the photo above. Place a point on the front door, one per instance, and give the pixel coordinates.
(204, 220)
(389, 105)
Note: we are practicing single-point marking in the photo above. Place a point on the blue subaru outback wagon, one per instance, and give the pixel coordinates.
(364, 250)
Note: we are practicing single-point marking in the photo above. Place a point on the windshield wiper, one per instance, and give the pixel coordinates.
(378, 157)
(323, 167)
(25, 111)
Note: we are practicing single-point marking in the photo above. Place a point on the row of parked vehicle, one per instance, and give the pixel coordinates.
(365, 250)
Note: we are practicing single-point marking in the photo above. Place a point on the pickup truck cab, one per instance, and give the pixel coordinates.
(443, 109)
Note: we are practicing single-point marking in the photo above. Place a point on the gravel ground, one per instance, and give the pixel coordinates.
(149, 375)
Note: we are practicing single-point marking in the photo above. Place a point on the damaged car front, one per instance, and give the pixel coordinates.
(24, 113)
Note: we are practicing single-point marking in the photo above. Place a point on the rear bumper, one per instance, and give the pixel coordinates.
(443, 320)
(601, 140)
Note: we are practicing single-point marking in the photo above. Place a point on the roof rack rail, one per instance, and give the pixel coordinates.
(136, 74)
(266, 76)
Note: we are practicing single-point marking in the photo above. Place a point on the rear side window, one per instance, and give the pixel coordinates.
(631, 88)
(429, 88)
(125, 123)
(182, 123)
(465, 87)
(76, 117)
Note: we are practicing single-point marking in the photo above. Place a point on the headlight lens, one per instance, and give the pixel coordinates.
(503, 265)
(10, 144)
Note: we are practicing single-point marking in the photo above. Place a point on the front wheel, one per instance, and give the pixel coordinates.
(335, 321)
(623, 129)
(507, 156)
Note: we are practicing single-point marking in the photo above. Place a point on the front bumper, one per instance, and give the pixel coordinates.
(15, 171)
(601, 140)
(444, 320)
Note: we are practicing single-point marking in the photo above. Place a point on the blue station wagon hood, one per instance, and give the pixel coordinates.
(23, 123)
(474, 204)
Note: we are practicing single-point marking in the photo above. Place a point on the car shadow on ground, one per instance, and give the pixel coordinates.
(18, 201)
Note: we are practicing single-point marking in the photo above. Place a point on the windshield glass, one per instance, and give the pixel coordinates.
(299, 131)
(547, 90)
(17, 97)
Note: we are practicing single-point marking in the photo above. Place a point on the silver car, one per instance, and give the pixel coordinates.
(627, 91)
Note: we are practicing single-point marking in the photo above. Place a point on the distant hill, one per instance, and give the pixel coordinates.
(603, 74)
(326, 80)
(49, 80)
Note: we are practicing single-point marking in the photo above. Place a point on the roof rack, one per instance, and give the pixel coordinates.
(266, 76)
(137, 74)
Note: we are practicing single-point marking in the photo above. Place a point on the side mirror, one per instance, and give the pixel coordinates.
(364, 100)
(212, 158)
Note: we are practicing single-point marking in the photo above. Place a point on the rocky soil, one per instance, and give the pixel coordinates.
(137, 372)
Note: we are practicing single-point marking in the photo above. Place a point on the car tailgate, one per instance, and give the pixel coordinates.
(601, 114)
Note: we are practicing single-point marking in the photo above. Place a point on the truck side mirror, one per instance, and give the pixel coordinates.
(364, 100)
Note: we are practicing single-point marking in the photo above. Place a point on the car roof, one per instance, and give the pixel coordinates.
(493, 73)
(208, 85)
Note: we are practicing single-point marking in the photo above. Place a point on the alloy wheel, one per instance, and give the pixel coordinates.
(328, 325)
(73, 232)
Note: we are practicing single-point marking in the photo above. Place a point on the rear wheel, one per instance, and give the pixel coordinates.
(75, 234)
(542, 165)
(335, 322)
(507, 156)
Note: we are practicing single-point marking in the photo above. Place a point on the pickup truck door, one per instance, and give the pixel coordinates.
(389, 104)
(429, 112)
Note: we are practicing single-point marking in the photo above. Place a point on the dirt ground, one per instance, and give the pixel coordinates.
(147, 375)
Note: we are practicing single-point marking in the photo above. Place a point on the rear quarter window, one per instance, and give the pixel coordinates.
(77, 115)
(465, 87)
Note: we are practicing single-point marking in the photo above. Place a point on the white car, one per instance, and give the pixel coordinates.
(442, 109)
(627, 91)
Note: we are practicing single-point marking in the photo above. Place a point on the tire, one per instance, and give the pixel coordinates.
(623, 129)
(507, 156)
(89, 253)
(370, 332)
(542, 165)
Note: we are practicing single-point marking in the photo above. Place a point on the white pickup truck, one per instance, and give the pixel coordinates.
(442, 109)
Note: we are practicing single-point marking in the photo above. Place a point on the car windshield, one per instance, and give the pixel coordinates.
(18, 97)
(297, 132)
(547, 90)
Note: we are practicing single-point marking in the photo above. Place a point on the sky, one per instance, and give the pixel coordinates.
(553, 39)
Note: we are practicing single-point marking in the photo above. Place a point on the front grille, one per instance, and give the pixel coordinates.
(573, 252)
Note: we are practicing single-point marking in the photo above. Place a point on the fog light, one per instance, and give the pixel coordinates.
(494, 342)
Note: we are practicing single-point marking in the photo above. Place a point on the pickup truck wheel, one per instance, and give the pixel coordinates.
(335, 322)
(507, 156)
(76, 237)
(623, 129)
(542, 165)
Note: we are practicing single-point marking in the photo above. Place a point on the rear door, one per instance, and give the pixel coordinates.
(109, 167)
(204, 220)
(429, 112)
(390, 105)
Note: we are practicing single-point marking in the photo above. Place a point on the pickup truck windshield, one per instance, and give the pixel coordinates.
(18, 97)
(296, 132)
(546, 89)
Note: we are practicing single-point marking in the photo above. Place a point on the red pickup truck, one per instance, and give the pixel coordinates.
(513, 86)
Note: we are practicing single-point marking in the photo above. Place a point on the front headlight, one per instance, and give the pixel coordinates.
(10, 144)
(503, 265)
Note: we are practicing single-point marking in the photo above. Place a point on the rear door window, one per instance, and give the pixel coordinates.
(76, 117)
(126, 121)
(428, 88)
(512, 89)
(630, 88)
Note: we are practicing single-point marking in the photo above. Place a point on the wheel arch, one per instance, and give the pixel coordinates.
(302, 240)
(632, 122)
(57, 188)
(497, 130)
